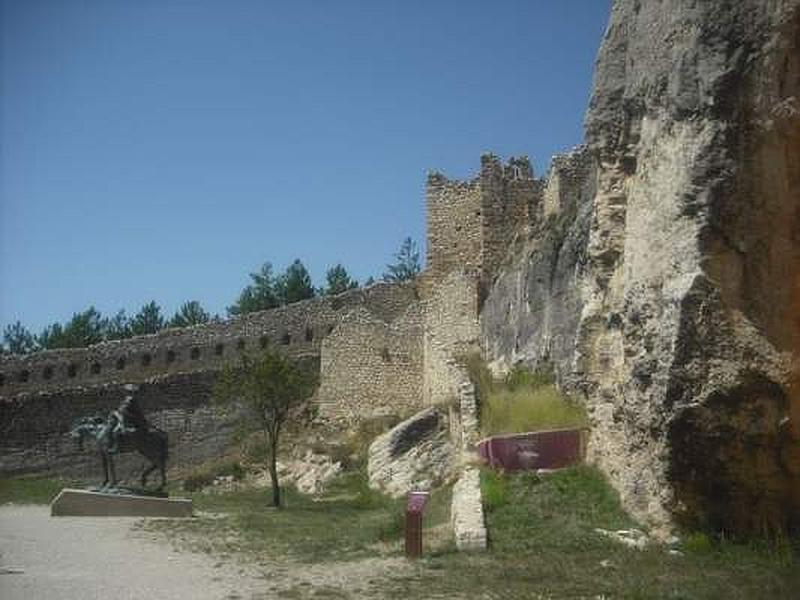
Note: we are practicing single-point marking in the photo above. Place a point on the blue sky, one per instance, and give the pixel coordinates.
(162, 150)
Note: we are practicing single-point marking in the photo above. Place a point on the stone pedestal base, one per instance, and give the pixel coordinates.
(84, 503)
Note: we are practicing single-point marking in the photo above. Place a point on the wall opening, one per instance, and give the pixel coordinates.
(309, 334)
(240, 345)
(263, 341)
(2, 380)
(171, 356)
(385, 355)
(120, 364)
(146, 360)
(195, 353)
(286, 339)
(219, 349)
(95, 368)
(72, 370)
(47, 373)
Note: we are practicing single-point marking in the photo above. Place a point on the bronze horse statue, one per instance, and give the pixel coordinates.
(150, 443)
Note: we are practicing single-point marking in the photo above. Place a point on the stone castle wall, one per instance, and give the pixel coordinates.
(34, 427)
(176, 370)
(369, 367)
(298, 328)
(451, 332)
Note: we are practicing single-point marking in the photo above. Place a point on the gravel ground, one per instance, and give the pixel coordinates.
(112, 558)
(83, 558)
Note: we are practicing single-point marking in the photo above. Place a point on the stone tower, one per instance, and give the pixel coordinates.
(471, 224)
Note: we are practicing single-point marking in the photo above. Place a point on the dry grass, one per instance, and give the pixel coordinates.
(529, 409)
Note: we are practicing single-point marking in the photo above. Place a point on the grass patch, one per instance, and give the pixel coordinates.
(525, 400)
(349, 522)
(32, 490)
(529, 409)
(543, 545)
(494, 489)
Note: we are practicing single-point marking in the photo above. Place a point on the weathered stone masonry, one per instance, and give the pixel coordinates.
(371, 368)
(43, 393)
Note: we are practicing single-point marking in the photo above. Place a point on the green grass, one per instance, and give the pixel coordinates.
(543, 544)
(349, 522)
(524, 400)
(526, 409)
(31, 490)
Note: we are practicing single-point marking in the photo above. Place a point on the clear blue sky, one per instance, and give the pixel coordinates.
(156, 149)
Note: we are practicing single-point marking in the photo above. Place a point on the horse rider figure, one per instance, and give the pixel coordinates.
(126, 420)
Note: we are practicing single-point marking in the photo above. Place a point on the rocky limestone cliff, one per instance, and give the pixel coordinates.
(686, 349)
(532, 311)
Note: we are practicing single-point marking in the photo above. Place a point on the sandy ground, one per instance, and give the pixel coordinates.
(86, 558)
(83, 558)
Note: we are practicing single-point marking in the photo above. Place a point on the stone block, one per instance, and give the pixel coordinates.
(84, 503)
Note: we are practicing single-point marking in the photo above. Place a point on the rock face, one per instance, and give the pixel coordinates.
(534, 306)
(688, 284)
(691, 318)
(415, 454)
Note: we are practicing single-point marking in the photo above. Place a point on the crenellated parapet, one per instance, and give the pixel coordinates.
(470, 224)
(297, 328)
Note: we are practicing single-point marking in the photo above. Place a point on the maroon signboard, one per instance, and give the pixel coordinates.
(534, 450)
(414, 507)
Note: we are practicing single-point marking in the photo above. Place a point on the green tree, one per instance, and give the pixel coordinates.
(51, 337)
(83, 329)
(117, 327)
(370, 281)
(259, 295)
(406, 266)
(18, 340)
(268, 386)
(295, 284)
(190, 313)
(147, 320)
(338, 281)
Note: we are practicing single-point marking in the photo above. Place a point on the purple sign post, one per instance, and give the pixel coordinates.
(414, 508)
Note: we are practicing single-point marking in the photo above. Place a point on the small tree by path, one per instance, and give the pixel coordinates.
(268, 386)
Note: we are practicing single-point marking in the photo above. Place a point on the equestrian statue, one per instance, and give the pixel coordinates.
(124, 430)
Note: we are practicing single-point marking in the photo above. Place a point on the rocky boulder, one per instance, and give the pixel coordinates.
(415, 454)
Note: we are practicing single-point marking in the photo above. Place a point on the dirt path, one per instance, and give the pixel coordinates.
(82, 558)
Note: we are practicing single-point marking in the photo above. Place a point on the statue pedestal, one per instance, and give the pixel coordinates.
(85, 503)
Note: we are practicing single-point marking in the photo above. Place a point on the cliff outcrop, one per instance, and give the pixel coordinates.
(688, 275)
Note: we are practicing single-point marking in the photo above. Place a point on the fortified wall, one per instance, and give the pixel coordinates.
(43, 393)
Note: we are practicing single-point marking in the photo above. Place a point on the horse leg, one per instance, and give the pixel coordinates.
(112, 470)
(147, 472)
(104, 460)
(162, 466)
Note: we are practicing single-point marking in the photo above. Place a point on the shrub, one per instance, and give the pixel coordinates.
(698, 543)
(522, 377)
(204, 475)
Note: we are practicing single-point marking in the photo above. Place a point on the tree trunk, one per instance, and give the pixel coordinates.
(273, 473)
